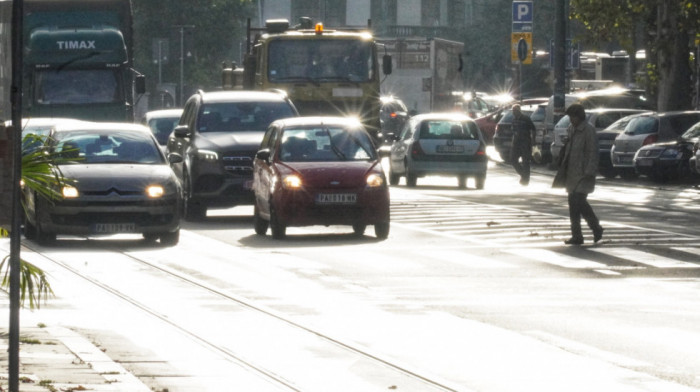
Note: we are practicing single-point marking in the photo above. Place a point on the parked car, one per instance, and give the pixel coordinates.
(503, 138)
(162, 122)
(668, 160)
(487, 124)
(439, 144)
(118, 181)
(319, 171)
(600, 118)
(648, 128)
(217, 138)
(695, 159)
(606, 138)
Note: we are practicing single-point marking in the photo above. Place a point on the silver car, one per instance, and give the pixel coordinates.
(648, 128)
(117, 181)
(439, 144)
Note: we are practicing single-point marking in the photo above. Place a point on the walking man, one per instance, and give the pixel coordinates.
(578, 168)
(524, 133)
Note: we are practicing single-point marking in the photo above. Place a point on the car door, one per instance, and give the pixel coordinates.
(263, 170)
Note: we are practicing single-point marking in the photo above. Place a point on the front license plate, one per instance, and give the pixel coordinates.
(109, 228)
(645, 162)
(336, 198)
(450, 149)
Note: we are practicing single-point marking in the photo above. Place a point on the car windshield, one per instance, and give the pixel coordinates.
(107, 146)
(326, 144)
(241, 116)
(446, 129)
(642, 126)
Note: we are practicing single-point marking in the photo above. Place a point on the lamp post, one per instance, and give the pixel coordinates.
(182, 59)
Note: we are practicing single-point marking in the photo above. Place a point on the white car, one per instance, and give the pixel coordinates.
(600, 118)
(162, 123)
(448, 144)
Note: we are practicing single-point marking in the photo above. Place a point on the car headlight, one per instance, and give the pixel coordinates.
(208, 155)
(374, 180)
(155, 191)
(291, 181)
(70, 192)
(670, 153)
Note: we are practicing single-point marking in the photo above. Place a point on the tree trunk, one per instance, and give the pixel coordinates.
(674, 71)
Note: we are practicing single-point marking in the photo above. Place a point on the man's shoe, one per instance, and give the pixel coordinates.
(598, 234)
(574, 241)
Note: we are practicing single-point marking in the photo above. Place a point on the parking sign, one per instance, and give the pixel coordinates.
(522, 16)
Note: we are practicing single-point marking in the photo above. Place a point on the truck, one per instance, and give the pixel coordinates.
(327, 72)
(77, 59)
(427, 73)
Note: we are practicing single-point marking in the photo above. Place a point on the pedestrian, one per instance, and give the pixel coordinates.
(524, 133)
(577, 172)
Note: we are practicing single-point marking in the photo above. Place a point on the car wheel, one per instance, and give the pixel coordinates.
(393, 177)
(170, 239)
(381, 230)
(29, 229)
(608, 172)
(279, 230)
(628, 174)
(359, 229)
(462, 182)
(193, 211)
(259, 223)
(480, 180)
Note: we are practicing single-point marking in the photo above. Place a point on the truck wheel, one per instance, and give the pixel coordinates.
(359, 229)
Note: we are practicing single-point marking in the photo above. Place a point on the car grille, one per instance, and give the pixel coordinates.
(142, 219)
(239, 163)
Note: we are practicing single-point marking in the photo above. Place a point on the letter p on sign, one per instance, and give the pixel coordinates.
(522, 11)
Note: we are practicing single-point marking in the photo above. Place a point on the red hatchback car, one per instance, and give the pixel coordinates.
(319, 171)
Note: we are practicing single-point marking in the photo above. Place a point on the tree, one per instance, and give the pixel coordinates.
(666, 26)
(219, 30)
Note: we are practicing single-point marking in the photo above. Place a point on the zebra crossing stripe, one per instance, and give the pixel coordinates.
(558, 259)
(646, 258)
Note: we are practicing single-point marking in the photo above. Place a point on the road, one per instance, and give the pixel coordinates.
(473, 290)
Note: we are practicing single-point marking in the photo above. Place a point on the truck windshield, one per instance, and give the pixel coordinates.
(320, 60)
(77, 87)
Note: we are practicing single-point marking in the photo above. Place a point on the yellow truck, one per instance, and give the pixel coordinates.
(328, 72)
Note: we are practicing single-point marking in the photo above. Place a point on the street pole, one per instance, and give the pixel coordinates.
(16, 101)
(160, 70)
(559, 54)
(182, 60)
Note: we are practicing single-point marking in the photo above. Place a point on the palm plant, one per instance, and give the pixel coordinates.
(41, 175)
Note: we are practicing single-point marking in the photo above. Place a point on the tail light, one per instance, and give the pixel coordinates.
(416, 150)
(482, 149)
(651, 139)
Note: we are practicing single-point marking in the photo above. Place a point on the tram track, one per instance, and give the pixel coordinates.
(273, 375)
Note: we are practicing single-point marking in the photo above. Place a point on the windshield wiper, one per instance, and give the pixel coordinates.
(335, 148)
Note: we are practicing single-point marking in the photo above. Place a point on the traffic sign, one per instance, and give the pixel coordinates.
(515, 47)
(522, 49)
(522, 12)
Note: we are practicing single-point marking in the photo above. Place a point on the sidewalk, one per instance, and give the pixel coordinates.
(58, 359)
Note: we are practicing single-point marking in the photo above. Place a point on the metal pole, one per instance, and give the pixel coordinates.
(182, 63)
(559, 54)
(16, 100)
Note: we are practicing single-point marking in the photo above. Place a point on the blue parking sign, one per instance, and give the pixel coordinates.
(522, 12)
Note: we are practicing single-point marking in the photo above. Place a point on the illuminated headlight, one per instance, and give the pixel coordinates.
(70, 192)
(207, 155)
(21, 184)
(670, 153)
(291, 182)
(374, 180)
(155, 191)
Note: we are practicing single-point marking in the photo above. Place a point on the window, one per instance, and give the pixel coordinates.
(77, 87)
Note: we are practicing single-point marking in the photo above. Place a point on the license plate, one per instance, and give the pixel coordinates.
(336, 198)
(645, 162)
(626, 159)
(450, 149)
(108, 228)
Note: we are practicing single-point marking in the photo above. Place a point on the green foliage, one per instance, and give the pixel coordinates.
(219, 28)
(33, 286)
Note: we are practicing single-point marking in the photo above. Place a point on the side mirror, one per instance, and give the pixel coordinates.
(386, 64)
(182, 131)
(140, 84)
(174, 157)
(263, 155)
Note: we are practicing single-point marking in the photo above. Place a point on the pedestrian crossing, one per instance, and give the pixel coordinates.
(538, 237)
